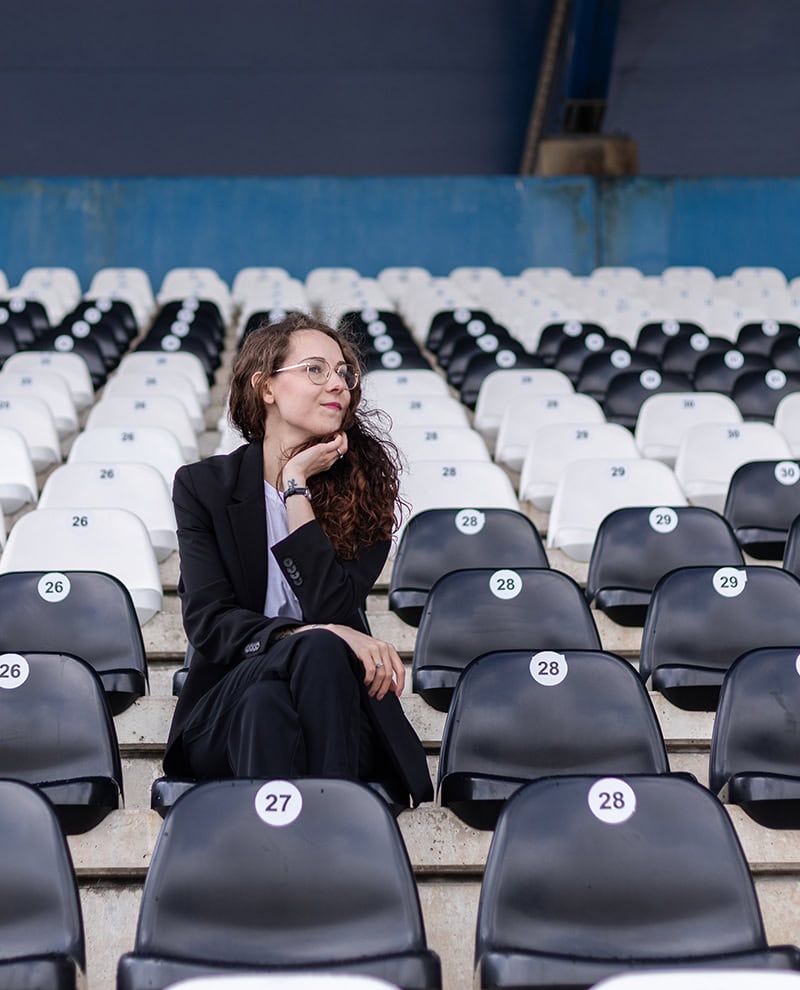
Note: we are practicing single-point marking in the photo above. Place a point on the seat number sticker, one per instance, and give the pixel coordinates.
(278, 803)
(612, 800)
(548, 668)
(14, 671)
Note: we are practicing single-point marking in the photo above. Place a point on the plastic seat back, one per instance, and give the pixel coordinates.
(627, 391)
(247, 874)
(587, 877)
(483, 610)
(636, 547)
(763, 499)
(756, 737)
(87, 614)
(517, 716)
(41, 928)
(702, 618)
(441, 540)
(72, 755)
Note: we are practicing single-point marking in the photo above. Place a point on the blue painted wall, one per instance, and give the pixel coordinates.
(370, 223)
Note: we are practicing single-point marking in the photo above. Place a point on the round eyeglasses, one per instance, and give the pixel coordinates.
(319, 371)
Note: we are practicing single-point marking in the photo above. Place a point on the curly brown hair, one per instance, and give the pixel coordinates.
(357, 501)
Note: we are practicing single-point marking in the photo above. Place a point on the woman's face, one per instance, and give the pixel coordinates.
(296, 408)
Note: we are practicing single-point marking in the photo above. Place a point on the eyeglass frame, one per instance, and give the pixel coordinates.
(321, 360)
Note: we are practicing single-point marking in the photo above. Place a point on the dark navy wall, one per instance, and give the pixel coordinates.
(709, 87)
(267, 87)
(371, 223)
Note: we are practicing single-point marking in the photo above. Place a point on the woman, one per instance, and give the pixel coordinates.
(280, 542)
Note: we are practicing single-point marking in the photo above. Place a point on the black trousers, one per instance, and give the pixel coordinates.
(293, 711)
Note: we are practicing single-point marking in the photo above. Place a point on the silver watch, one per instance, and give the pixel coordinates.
(293, 489)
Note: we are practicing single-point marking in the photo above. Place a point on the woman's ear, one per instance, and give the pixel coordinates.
(260, 384)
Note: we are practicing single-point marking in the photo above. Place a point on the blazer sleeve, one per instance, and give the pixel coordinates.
(329, 588)
(216, 624)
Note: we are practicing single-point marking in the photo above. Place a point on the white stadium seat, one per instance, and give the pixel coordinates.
(46, 385)
(422, 410)
(787, 420)
(148, 362)
(111, 540)
(139, 488)
(426, 443)
(17, 475)
(506, 387)
(130, 412)
(34, 420)
(171, 383)
(146, 445)
(711, 452)
(521, 421)
(71, 367)
(590, 489)
(414, 382)
(555, 446)
(664, 419)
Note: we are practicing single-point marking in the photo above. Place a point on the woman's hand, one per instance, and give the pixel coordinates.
(314, 460)
(383, 668)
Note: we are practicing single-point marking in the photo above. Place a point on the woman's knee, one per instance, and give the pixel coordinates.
(321, 653)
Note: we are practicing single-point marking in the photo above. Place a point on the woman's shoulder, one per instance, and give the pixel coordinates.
(221, 469)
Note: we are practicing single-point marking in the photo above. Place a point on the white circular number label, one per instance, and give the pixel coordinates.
(17, 305)
(663, 520)
(506, 359)
(180, 328)
(698, 342)
(93, 315)
(775, 379)
(470, 521)
(729, 581)
(185, 315)
(81, 329)
(787, 473)
(733, 360)
(505, 584)
(462, 315)
(278, 803)
(14, 671)
(620, 359)
(369, 315)
(376, 328)
(170, 343)
(383, 343)
(612, 800)
(391, 359)
(475, 328)
(5, 316)
(54, 586)
(670, 328)
(593, 342)
(488, 343)
(64, 342)
(770, 328)
(797, 664)
(650, 379)
(572, 328)
(548, 668)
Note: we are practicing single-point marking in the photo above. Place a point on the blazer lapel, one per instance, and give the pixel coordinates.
(247, 516)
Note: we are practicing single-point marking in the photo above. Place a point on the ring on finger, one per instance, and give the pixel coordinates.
(378, 665)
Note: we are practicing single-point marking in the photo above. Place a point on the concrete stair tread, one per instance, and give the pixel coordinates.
(438, 843)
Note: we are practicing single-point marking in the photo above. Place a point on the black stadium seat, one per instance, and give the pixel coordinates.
(518, 716)
(763, 499)
(437, 541)
(483, 610)
(718, 371)
(702, 618)
(654, 337)
(635, 547)
(757, 393)
(85, 613)
(41, 929)
(58, 735)
(757, 737)
(627, 391)
(481, 365)
(589, 877)
(252, 876)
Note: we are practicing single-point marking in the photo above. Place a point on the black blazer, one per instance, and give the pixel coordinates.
(222, 535)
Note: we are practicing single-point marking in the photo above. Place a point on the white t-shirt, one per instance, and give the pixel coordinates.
(281, 600)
